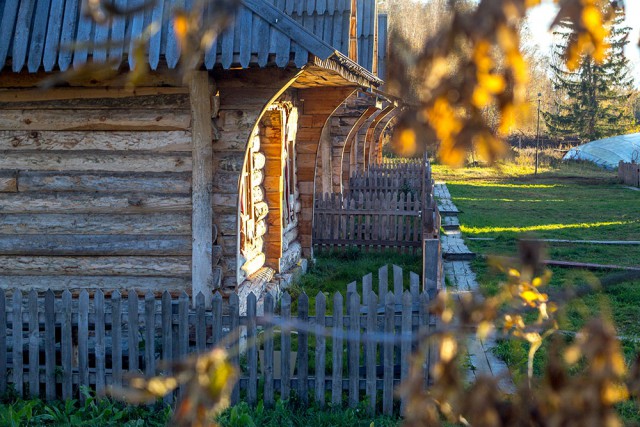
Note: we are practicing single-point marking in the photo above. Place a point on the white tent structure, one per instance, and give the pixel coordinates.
(608, 152)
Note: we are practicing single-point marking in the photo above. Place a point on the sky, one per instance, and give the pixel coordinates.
(541, 17)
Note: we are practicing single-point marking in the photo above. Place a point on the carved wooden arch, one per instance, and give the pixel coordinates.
(356, 145)
(376, 150)
(371, 132)
(390, 124)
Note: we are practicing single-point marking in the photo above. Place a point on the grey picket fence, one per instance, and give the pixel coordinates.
(344, 348)
(629, 173)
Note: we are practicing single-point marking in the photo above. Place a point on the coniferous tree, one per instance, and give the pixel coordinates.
(592, 101)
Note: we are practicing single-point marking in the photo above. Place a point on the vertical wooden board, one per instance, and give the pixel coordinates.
(116, 338)
(172, 49)
(423, 329)
(149, 334)
(234, 314)
(132, 330)
(354, 349)
(336, 372)
(383, 281)
(66, 346)
(397, 283)
(21, 35)
(83, 341)
(387, 362)
(201, 195)
(82, 36)
(268, 352)
(34, 344)
(53, 35)
(211, 54)
(367, 287)
(183, 325)
(227, 45)
(371, 349)
(285, 345)
(3, 343)
(17, 354)
(252, 350)
(414, 285)
(405, 346)
(201, 326)
(155, 40)
(6, 28)
(244, 22)
(117, 33)
(98, 300)
(303, 349)
(137, 25)
(216, 307)
(321, 348)
(50, 345)
(393, 206)
(167, 335)
(260, 39)
(100, 41)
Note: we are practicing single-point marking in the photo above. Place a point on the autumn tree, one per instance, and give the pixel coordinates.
(592, 99)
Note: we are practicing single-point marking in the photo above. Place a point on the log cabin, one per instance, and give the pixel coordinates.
(192, 186)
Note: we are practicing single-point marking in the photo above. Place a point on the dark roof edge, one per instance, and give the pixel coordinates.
(349, 70)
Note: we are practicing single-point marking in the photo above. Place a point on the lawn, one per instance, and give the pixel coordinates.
(564, 201)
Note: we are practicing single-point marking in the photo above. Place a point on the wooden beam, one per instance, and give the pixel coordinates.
(38, 95)
(202, 180)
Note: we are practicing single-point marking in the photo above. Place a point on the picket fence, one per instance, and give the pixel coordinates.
(401, 177)
(51, 344)
(375, 221)
(629, 173)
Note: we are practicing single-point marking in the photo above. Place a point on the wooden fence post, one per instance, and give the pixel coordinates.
(321, 304)
(336, 372)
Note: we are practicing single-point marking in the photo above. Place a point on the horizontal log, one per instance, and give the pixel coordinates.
(95, 161)
(54, 94)
(96, 266)
(158, 141)
(86, 245)
(225, 180)
(176, 223)
(8, 182)
(167, 183)
(76, 283)
(124, 119)
(92, 203)
(254, 264)
(290, 257)
(156, 102)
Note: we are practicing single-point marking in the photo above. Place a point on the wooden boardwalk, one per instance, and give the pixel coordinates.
(462, 280)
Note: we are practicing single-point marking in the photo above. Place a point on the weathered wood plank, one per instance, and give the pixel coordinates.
(74, 99)
(34, 345)
(76, 119)
(96, 266)
(106, 182)
(201, 332)
(50, 345)
(85, 245)
(383, 281)
(397, 283)
(303, 348)
(4, 375)
(336, 372)
(167, 341)
(268, 353)
(100, 350)
(252, 350)
(370, 352)
(174, 223)
(354, 349)
(17, 353)
(405, 347)
(285, 345)
(321, 347)
(96, 160)
(83, 341)
(149, 334)
(66, 346)
(202, 176)
(387, 392)
(133, 340)
(156, 141)
(234, 314)
(116, 338)
(8, 182)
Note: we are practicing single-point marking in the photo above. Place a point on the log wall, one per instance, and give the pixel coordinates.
(95, 191)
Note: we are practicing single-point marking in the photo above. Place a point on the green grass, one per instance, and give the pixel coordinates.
(574, 201)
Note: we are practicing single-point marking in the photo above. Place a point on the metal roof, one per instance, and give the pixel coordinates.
(33, 34)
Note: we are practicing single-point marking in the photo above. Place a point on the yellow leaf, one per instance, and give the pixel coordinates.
(493, 83)
(614, 393)
(572, 354)
(448, 348)
(405, 141)
(180, 27)
(480, 97)
(484, 329)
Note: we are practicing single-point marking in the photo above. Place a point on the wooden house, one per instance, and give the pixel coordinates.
(171, 186)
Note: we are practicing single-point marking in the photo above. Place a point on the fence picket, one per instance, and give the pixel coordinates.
(66, 346)
(336, 372)
(383, 280)
(149, 334)
(133, 338)
(397, 284)
(83, 340)
(216, 306)
(285, 346)
(303, 349)
(387, 363)
(50, 345)
(116, 338)
(234, 313)
(3, 342)
(201, 327)
(321, 304)
(405, 347)
(98, 301)
(17, 343)
(268, 352)
(252, 350)
(370, 356)
(34, 344)
(167, 335)
(354, 349)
